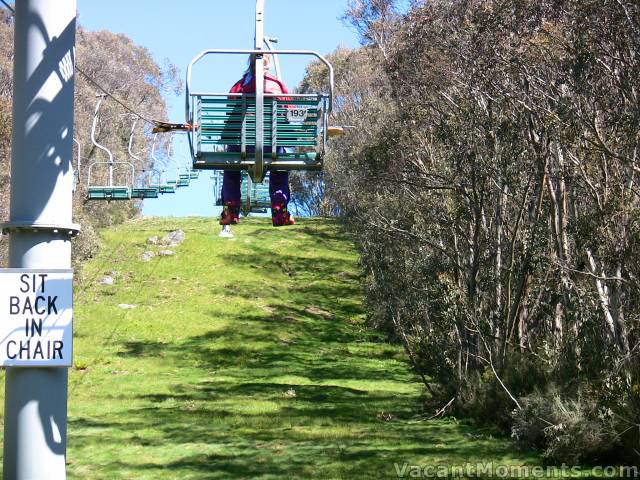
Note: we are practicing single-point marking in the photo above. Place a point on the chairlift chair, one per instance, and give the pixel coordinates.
(158, 180)
(164, 186)
(110, 189)
(294, 127)
(144, 190)
(184, 179)
(255, 196)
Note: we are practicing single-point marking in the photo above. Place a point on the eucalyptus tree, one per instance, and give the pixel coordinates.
(491, 187)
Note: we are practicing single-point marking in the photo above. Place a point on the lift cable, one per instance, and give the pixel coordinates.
(159, 126)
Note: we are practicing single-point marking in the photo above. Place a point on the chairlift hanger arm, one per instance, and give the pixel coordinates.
(155, 159)
(130, 148)
(93, 129)
(268, 42)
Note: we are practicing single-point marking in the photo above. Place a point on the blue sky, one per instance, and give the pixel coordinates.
(179, 30)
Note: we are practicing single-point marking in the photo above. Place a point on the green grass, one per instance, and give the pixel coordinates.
(244, 358)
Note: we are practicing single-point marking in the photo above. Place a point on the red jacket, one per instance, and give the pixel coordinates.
(248, 85)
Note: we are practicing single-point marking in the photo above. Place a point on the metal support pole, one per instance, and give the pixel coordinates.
(258, 171)
(35, 419)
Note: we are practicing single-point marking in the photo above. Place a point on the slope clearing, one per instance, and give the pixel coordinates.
(244, 358)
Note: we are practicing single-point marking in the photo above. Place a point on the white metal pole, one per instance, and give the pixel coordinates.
(35, 420)
(258, 170)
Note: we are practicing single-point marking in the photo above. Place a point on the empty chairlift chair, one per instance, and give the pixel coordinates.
(158, 178)
(108, 180)
(119, 189)
(184, 178)
(254, 195)
(143, 189)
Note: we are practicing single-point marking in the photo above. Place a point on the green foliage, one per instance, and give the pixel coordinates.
(490, 185)
(85, 245)
(5, 161)
(129, 72)
(568, 430)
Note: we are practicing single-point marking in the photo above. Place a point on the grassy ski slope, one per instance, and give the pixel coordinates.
(244, 358)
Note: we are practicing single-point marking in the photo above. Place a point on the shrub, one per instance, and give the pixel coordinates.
(572, 431)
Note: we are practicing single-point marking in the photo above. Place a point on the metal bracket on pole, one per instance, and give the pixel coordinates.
(71, 230)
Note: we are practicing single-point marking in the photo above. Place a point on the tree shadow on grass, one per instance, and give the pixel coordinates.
(314, 353)
(333, 426)
(294, 390)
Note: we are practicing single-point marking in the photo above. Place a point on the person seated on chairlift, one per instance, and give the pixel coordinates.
(279, 181)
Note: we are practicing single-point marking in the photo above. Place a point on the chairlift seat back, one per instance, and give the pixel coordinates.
(294, 128)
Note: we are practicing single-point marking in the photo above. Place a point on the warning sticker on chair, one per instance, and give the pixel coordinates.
(36, 318)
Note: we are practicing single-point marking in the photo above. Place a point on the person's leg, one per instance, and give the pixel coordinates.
(231, 186)
(230, 198)
(279, 187)
(280, 196)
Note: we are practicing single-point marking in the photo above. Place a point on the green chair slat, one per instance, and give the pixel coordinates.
(280, 139)
(213, 144)
(231, 160)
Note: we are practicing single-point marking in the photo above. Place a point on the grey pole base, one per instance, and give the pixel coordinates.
(45, 421)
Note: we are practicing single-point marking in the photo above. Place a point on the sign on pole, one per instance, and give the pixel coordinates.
(36, 317)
